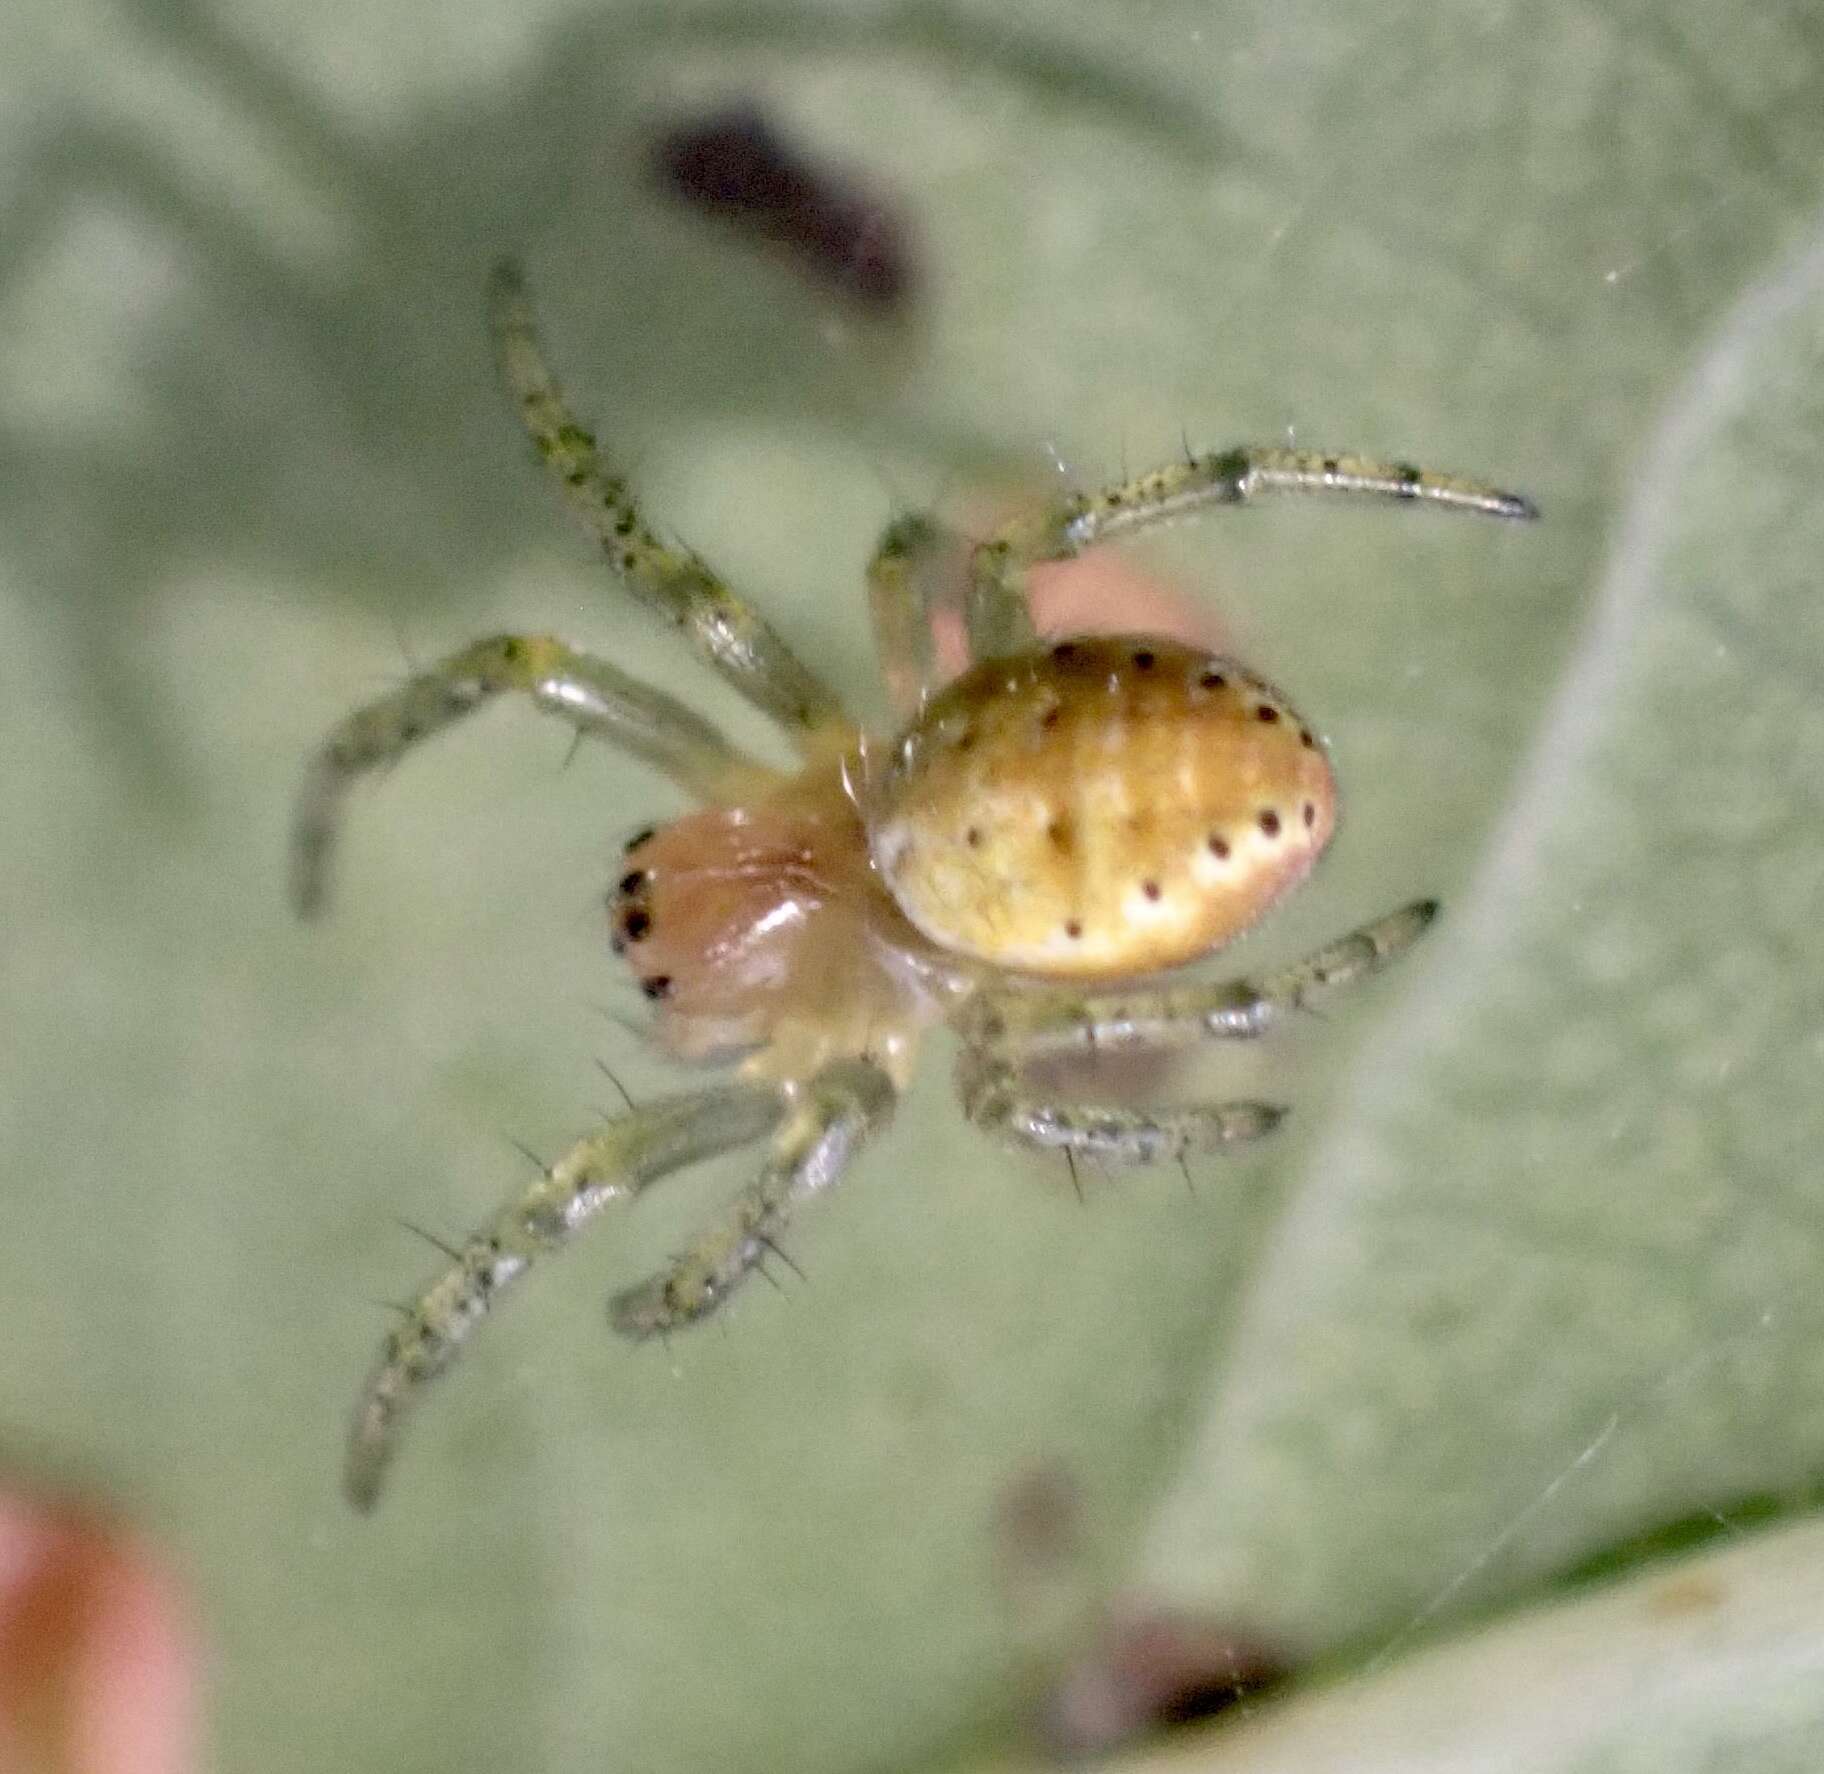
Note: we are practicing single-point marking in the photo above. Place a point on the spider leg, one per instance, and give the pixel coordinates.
(597, 700)
(995, 1099)
(733, 638)
(613, 1164)
(916, 575)
(835, 1113)
(1006, 1032)
(1066, 526)
(1045, 1023)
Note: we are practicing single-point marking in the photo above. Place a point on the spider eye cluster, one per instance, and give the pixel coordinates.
(1106, 805)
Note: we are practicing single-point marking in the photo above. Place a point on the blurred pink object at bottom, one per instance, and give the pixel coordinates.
(97, 1667)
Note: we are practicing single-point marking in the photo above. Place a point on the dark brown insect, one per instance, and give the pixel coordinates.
(733, 164)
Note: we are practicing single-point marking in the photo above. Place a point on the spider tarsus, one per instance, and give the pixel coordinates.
(363, 1472)
(312, 834)
(642, 1311)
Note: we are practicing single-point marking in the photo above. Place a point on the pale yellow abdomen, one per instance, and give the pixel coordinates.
(1107, 806)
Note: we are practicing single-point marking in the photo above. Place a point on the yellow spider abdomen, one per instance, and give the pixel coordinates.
(1109, 806)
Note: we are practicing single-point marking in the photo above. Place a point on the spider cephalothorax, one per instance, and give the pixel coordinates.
(1059, 821)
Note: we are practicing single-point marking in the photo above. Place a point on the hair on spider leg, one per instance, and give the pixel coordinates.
(526, 1152)
(637, 1027)
(767, 1243)
(431, 1238)
(1190, 1188)
(1076, 1182)
(601, 1065)
(765, 1239)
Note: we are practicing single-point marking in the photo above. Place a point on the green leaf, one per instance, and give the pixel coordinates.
(1549, 1274)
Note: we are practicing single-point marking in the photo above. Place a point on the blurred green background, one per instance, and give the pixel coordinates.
(1532, 1273)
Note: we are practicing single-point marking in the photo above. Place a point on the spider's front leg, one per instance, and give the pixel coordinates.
(618, 1162)
(1062, 529)
(832, 1116)
(732, 636)
(588, 694)
(1006, 1032)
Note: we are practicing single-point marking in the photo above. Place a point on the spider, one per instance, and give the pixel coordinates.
(1047, 829)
